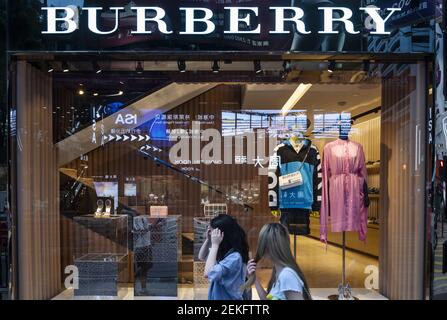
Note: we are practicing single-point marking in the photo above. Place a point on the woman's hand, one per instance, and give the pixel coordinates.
(216, 237)
(251, 267)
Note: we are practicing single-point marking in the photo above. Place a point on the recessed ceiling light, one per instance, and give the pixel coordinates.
(331, 66)
(257, 66)
(97, 67)
(139, 68)
(181, 66)
(65, 67)
(297, 95)
(50, 68)
(215, 66)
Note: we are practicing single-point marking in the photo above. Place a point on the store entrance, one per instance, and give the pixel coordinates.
(147, 155)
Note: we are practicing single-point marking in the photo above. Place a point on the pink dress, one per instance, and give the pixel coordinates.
(344, 173)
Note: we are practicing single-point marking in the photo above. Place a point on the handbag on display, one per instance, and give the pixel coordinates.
(159, 211)
(293, 179)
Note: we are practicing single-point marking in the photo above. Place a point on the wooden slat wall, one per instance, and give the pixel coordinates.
(367, 133)
(122, 159)
(402, 185)
(38, 187)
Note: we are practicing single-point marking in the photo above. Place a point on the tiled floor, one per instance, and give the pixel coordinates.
(322, 268)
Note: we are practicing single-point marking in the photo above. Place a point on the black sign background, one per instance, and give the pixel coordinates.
(27, 21)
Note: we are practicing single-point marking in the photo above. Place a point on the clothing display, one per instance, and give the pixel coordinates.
(297, 221)
(344, 176)
(296, 201)
(305, 159)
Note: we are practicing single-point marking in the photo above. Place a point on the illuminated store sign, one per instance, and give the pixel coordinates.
(199, 21)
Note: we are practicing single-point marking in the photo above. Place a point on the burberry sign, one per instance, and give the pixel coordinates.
(201, 21)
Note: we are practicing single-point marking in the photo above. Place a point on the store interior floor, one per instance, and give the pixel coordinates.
(322, 269)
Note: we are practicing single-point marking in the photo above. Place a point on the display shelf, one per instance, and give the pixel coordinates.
(99, 274)
(200, 282)
(373, 168)
(105, 235)
(157, 251)
(100, 255)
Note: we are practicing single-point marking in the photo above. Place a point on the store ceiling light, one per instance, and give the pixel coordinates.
(297, 95)
(181, 66)
(257, 66)
(215, 66)
(81, 92)
(50, 68)
(331, 66)
(95, 94)
(65, 67)
(139, 69)
(97, 67)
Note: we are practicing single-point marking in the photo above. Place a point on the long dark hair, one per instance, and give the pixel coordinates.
(234, 238)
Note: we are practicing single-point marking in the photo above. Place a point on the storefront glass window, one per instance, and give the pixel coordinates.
(136, 165)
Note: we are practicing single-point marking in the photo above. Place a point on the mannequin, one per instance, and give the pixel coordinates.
(345, 194)
(294, 204)
(344, 172)
(344, 131)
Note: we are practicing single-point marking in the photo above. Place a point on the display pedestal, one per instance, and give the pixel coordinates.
(101, 251)
(344, 289)
(201, 284)
(157, 250)
(99, 274)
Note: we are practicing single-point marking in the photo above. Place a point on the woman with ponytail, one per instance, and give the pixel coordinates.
(287, 281)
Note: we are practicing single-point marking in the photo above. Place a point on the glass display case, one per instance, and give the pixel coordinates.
(101, 254)
(157, 251)
(200, 282)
